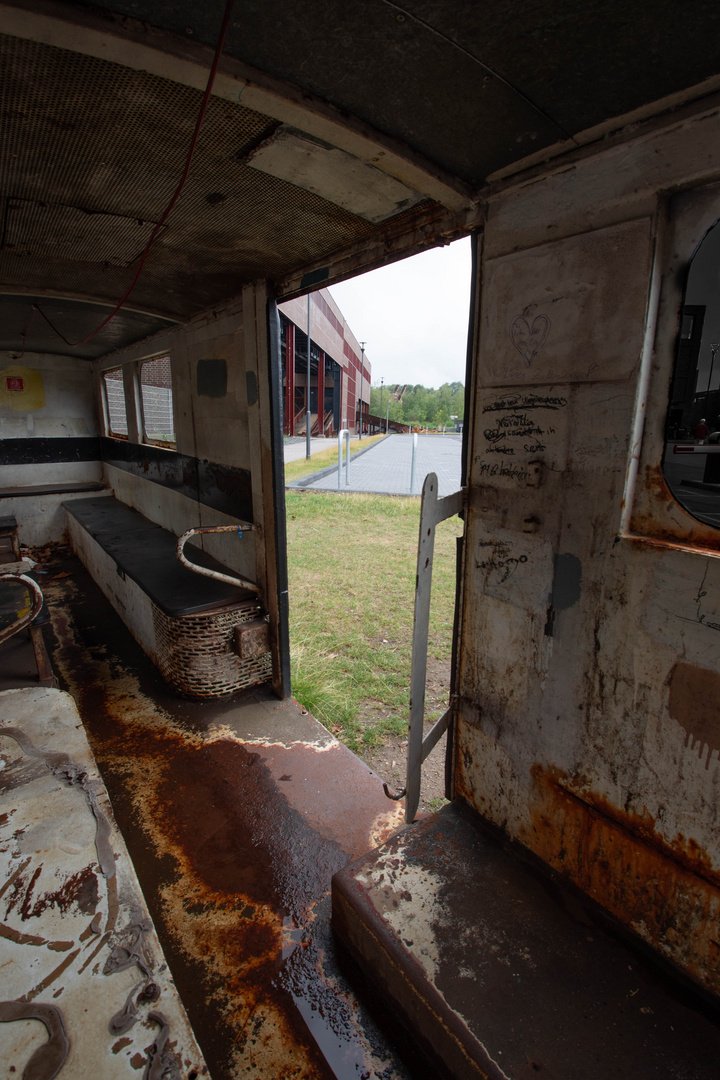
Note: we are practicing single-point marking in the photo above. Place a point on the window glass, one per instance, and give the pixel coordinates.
(115, 398)
(691, 463)
(157, 402)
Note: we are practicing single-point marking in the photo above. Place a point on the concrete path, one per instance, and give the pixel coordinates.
(385, 468)
(293, 451)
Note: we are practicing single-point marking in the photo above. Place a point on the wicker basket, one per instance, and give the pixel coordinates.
(196, 655)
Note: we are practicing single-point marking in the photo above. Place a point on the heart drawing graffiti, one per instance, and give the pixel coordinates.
(529, 338)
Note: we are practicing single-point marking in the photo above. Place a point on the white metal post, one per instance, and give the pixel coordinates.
(344, 434)
(414, 463)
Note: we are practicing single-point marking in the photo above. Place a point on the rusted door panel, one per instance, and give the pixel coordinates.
(588, 660)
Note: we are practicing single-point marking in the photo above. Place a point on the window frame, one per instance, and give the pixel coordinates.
(144, 436)
(107, 421)
(651, 512)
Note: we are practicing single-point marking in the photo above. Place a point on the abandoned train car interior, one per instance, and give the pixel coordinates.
(198, 878)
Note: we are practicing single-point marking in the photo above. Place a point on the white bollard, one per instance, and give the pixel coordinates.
(344, 433)
(414, 462)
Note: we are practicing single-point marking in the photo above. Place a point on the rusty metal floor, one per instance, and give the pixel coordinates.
(236, 814)
(503, 974)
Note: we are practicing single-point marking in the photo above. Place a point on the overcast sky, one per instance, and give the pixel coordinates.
(413, 316)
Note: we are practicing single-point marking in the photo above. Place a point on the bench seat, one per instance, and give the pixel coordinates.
(185, 622)
(145, 552)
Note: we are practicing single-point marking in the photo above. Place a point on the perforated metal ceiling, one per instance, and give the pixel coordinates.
(83, 135)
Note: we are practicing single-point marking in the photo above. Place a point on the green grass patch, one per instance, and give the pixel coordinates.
(296, 470)
(352, 562)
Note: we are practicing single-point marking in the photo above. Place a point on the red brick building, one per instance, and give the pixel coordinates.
(338, 367)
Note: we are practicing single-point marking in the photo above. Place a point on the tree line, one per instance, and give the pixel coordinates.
(419, 404)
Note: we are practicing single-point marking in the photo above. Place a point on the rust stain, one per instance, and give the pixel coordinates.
(668, 894)
(31, 939)
(326, 788)
(648, 526)
(233, 873)
(656, 483)
(13, 877)
(78, 890)
(694, 701)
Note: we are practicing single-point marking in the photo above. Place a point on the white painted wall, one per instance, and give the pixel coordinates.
(69, 412)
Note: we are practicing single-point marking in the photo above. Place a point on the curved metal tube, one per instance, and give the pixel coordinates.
(24, 620)
(242, 583)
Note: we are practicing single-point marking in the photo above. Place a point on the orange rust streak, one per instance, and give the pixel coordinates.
(686, 853)
(668, 895)
(646, 528)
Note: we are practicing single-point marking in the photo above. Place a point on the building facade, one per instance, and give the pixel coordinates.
(339, 369)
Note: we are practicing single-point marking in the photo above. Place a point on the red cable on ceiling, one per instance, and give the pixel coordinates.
(168, 210)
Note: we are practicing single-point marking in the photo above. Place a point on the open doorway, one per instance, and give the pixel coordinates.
(388, 357)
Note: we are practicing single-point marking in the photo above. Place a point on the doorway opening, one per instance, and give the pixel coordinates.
(387, 359)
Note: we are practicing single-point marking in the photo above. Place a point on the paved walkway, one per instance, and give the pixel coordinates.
(385, 468)
(293, 451)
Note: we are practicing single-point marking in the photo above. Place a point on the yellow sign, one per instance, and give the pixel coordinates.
(21, 389)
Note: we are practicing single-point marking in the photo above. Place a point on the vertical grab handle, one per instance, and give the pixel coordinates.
(432, 512)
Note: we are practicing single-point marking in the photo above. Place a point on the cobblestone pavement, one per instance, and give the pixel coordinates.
(385, 468)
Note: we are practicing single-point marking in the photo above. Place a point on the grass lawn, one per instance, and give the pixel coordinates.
(296, 470)
(351, 562)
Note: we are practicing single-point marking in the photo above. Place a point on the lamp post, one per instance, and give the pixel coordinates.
(362, 375)
(308, 436)
(381, 397)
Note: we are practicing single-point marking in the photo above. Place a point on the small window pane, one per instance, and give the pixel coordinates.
(157, 403)
(691, 463)
(115, 397)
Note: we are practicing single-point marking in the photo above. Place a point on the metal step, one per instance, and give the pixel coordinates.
(497, 971)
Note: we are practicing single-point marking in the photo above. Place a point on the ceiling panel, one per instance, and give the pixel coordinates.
(21, 325)
(473, 86)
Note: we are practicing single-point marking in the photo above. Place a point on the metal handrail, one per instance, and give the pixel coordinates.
(242, 583)
(26, 619)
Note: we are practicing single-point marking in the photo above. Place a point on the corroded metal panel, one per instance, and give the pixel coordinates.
(77, 947)
(589, 662)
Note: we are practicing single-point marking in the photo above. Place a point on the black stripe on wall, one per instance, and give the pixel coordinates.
(220, 487)
(42, 451)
